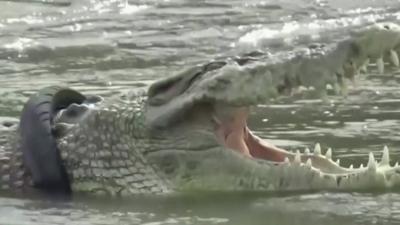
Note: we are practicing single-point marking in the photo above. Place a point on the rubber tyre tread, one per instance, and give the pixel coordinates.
(38, 144)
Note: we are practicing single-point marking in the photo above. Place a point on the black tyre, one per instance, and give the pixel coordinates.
(40, 152)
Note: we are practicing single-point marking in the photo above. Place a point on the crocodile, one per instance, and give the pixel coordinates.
(188, 132)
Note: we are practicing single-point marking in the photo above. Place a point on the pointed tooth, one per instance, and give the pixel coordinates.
(286, 160)
(385, 156)
(394, 57)
(308, 163)
(307, 151)
(19, 183)
(344, 88)
(396, 164)
(371, 161)
(337, 88)
(19, 174)
(362, 166)
(363, 69)
(297, 157)
(338, 162)
(364, 66)
(380, 65)
(216, 120)
(358, 71)
(328, 153)
(351, 166)
(317, 149)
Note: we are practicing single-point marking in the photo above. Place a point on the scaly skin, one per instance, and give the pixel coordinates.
(166, 140)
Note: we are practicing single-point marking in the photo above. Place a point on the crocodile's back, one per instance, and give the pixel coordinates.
(13, 175)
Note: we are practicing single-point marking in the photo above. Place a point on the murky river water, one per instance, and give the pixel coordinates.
(114, 46)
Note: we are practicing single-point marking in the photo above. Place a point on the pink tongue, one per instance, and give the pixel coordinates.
(233, 133)
(235, 141)
(263, 150)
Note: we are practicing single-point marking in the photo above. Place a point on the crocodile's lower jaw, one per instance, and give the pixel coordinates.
(232, 132)
(317, 171)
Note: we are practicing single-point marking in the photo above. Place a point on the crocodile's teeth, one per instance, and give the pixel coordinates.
(308, 163)
(394, 57)
(362, 166)
(364, 66)
(338, 162)
(20, 174)
(396, 164)
(385, 156)
(286, 160)
(216, 120)
(297, 157)
(363, 69)
(351, 166)
(344, 87)
(371, 161)
(317, 149)
(328, 153)
(19, 183)
(380, 65)
(307, 151)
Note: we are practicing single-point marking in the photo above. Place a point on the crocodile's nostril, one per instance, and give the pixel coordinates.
(8, 124)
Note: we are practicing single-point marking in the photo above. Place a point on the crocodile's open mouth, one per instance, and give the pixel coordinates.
(233, 133)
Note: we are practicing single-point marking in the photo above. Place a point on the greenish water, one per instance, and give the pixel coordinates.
(237, 209)
(113, 47)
